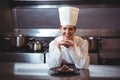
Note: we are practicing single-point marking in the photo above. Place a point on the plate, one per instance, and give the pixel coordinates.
(56, 69)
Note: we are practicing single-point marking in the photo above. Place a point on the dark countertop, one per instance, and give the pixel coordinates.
(27, 71)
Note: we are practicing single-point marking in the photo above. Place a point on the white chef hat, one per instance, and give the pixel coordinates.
(68, 15)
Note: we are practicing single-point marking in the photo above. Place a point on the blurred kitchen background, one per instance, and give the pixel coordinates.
(26, 23)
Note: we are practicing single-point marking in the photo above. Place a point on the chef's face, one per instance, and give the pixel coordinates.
(68, 31)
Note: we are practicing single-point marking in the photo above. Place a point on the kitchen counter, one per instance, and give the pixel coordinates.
(22, 55)
(27, 71)
(25, 57)
(34, 57)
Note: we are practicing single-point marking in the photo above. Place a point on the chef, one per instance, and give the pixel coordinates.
(68, 48)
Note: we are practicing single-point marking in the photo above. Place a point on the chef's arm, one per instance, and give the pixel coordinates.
(80, 56)
(55, 55)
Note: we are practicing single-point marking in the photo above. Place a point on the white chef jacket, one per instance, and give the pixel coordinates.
(77, 55)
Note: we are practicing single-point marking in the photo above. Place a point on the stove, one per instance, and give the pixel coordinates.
(24, 49)
(22, 55)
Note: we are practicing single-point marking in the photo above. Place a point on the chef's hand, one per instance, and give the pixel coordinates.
(66, 43)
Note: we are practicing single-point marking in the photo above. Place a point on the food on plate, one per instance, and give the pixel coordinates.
(65, 68)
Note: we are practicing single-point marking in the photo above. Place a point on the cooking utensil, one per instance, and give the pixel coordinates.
(18, 40)
(35, 45)
(94, 43)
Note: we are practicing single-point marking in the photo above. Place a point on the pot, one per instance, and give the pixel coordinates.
(35, 46)
(16, 40)
(94, 44)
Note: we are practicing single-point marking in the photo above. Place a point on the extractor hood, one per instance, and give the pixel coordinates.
(59, 2)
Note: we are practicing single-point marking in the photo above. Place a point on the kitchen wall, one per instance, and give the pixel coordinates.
(90, 17)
